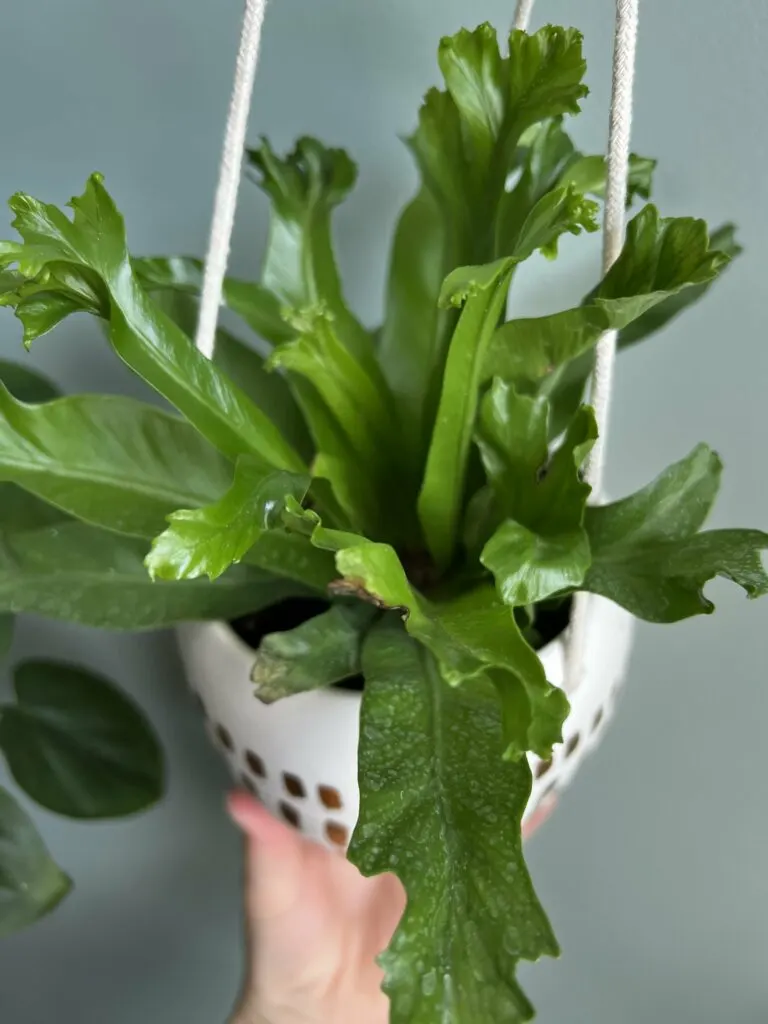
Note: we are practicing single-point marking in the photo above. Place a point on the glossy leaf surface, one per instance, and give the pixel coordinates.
(111, 461)
(82, 574)
(466, 144)
(661, 258)
(86, 260)
(254, 303)
(207, 541)
(649, 556)
(299, 265)
(440, 810)
(530, 567)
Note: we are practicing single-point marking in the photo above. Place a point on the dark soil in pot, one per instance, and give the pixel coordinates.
(551, 621)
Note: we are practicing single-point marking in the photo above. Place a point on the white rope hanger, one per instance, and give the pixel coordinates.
(230, 173)
(601, 390)
(523, 14)
(624, 52)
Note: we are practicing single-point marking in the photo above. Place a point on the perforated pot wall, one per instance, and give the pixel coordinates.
(300, 755)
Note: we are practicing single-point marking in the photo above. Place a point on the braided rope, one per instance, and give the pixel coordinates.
(624, 54)
(523, 14)
(230, 173)
(625, 48)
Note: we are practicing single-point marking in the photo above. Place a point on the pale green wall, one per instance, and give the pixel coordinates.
(654, 867)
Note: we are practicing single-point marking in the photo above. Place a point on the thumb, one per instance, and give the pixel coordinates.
(274, 859)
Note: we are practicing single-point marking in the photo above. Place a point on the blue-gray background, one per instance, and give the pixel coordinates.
(653, 869)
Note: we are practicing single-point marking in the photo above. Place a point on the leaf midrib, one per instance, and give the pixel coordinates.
(137, 485)
(447, 824)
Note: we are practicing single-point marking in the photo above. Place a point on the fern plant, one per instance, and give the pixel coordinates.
(425, 478)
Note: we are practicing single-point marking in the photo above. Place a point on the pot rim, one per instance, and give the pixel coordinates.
(223, 631)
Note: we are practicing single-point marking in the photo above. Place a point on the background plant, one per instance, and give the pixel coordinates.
(72, 741)
(432, 465)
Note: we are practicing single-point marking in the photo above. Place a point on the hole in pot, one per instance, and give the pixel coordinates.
(248, 783)
(256, 764)
(290, 814)
(294, 785)
(224, 737)
(542, 768)
(330, 798)
(572, 744)
(597, 719)
(336, 833)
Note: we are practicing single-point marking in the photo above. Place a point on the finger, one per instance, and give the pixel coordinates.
(274, 859)
(387, 903)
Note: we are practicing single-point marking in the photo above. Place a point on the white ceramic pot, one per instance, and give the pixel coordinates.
(299, 755)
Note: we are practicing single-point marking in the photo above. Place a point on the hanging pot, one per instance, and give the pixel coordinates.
(299, 755)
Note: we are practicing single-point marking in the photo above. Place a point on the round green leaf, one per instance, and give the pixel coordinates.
(77, 745)
(31, 883)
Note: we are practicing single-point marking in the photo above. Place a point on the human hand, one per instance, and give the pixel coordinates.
(316, 926)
